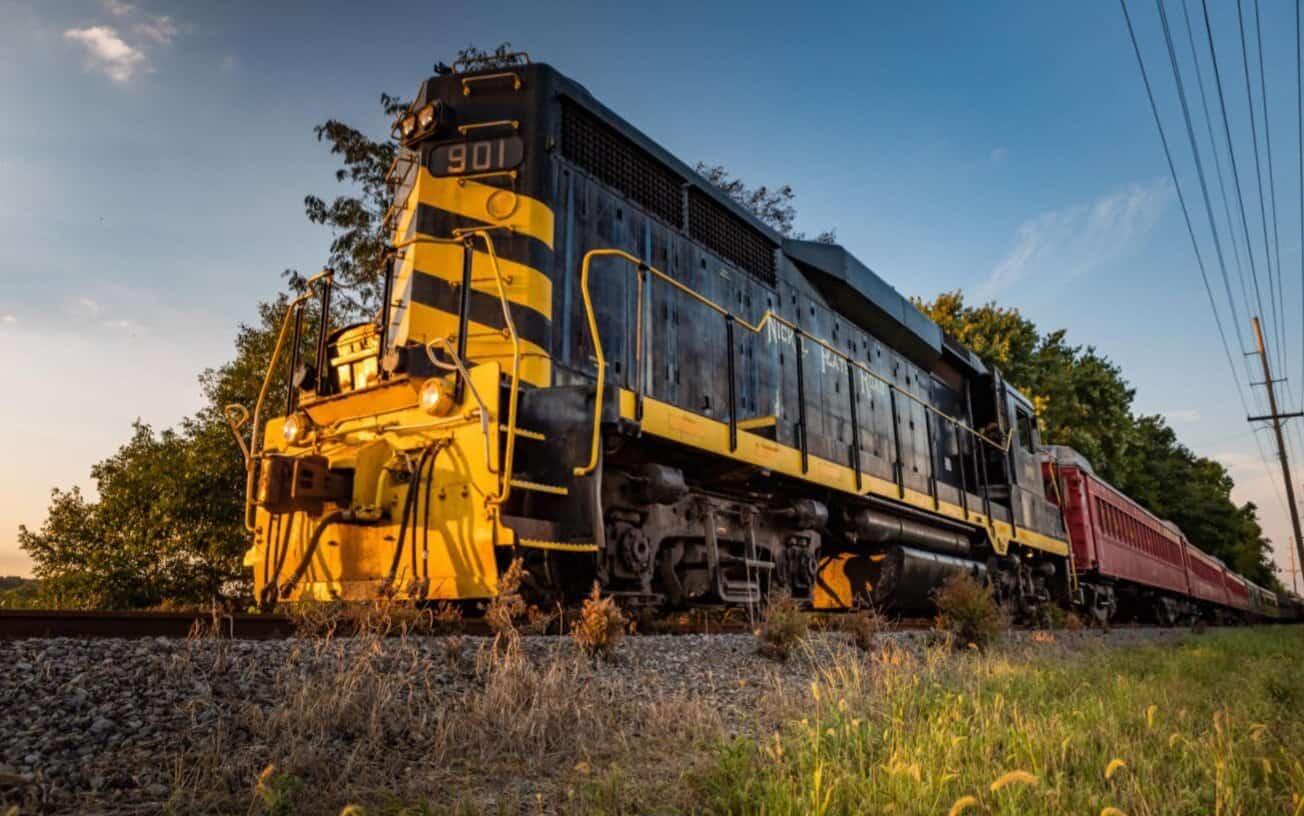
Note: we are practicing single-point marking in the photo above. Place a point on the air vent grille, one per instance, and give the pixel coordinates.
(729, 236)
(598, 148)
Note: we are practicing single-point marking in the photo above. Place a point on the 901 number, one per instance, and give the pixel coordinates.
(484, 156)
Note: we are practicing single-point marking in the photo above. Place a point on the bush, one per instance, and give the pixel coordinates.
(864, 626)
(600, 625)
(785, 626)
(968, 610)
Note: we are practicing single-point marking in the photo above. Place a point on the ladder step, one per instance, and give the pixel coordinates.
(556, 490)
(560, 546)
(525, 433)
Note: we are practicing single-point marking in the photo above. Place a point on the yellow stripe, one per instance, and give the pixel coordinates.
(670, 422)
(484, 343)
(480, 202)
(528, 286)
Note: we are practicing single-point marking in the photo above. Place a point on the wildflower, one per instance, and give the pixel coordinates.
(842, 704)
(1256, 731)
(351, 810)
(582, 767)
(1113, 767)
(1267, 766)
(1010, 777)
(1150, 715)
(1174, 738)
(1112, 811)
(815, 690)
(961, 804)
(956, 740)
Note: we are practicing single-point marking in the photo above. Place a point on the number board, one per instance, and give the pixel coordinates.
(485, 156)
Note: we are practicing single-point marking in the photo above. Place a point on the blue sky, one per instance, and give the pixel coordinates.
(154, 156)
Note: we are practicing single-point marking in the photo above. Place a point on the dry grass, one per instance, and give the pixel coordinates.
(967, 609)
(506, 608)
(784, 628)
(384, 617)
(600, 626)
(865, 627)
(369, 721)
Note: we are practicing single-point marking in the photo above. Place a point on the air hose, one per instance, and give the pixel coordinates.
(326, 521)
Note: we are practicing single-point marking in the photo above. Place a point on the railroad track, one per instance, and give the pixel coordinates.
(24, 624)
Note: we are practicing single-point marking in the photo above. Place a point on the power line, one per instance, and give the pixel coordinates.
(1217, 163)
(1186, 214)
(1199, 165)
(1272, 197)
(1231, 152)
(1258, 170)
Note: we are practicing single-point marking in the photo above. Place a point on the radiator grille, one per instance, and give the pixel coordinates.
(598, 148)
(729, 236)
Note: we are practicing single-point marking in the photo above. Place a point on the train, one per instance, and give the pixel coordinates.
(590, 359)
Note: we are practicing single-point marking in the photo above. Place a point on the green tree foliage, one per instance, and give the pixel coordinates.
(1083, 401)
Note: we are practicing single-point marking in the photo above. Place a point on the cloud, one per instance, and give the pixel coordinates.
(8, 320)
(999, 155)
(161, 30)
(89, 306)
(108, 52)
(119, 55)
(129, 326)
(1186, 416)
(1066, 243)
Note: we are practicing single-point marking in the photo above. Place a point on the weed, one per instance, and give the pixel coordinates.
(967, 609)
(864, 626)
(1073, 623)
(274, 792)
(600, 625)
(785, 626)
(506, 607)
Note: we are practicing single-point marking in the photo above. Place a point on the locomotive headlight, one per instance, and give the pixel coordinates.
(427, 116)
(408, 125)
(436, 399)
(296, 428)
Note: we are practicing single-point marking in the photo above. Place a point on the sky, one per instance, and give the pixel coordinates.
(154, 156)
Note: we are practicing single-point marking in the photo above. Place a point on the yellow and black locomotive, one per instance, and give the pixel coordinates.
(591, 359)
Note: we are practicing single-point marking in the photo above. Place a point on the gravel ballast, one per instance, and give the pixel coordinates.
(113, 725)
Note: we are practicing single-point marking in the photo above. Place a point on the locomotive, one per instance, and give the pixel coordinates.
(591, 359)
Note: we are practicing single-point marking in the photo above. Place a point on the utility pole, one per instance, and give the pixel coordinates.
(1281, 443)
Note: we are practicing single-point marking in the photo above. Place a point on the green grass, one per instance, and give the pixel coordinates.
(1211, 725)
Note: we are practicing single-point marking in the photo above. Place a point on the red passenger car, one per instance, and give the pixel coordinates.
(1127, 559)
(1238, 591)
(1206, 575)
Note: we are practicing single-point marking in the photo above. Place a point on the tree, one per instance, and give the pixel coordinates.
(1083, 401)
(168, 526)
(775, 207)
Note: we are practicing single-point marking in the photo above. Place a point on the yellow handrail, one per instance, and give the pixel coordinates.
(755, 328)
(509, 454)
(255, 438)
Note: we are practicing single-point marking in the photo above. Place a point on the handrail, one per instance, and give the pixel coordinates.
(255, 439)
(509, 454)
(755, 328)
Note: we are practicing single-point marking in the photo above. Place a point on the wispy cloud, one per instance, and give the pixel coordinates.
(121, 49)
(161, 30)
(88, 306)
(1066, 243)
(108, 52)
